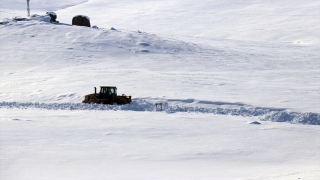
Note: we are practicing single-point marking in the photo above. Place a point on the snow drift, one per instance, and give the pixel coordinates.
(265, 114)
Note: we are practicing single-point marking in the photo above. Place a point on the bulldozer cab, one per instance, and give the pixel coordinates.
(107, 91)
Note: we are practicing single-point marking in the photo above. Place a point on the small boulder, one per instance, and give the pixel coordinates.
(81, 20)
(19, 19)
(144, 44)
(255, 122)
(53, 16)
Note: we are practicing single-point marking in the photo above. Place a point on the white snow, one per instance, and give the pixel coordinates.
(239, 82)
(51, 13)
(151, 145)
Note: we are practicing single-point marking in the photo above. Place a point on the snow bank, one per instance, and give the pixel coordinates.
(33, 17)
(265, 114)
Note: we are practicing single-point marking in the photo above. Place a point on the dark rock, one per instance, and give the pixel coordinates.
(19, 19)
(53, 16)
(144, 44)
(255, 122)
(81, 20)
(144, 50)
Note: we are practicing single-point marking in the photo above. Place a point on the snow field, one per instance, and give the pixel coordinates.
(294, 22)
(80, 58)
(223, 69)
(152, 145)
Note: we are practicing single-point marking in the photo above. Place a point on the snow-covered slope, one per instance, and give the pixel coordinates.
(222, 69)
(294, 21)
(39, 56)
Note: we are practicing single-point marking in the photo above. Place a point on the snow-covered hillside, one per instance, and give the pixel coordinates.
(77, 59)
(294, 21)
(224, 70)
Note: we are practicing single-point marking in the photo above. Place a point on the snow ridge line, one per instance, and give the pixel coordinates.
(264, 114)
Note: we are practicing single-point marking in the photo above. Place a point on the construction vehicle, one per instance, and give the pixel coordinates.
(107, 95)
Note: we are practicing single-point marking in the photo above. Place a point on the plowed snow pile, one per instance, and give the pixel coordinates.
(276, 115)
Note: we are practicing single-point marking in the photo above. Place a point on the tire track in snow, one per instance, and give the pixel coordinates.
(264, 114)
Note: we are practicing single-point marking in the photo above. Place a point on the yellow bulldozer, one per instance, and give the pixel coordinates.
(107, 95)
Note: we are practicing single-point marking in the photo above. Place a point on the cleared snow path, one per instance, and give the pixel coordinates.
(265, 114)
